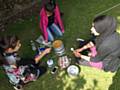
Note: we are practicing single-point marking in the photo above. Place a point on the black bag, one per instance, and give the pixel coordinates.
(31, 73)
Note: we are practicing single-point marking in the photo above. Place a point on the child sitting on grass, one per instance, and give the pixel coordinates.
(50, 21)
(20, 71)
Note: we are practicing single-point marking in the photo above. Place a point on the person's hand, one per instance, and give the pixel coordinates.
(77, 54)
(47, 50)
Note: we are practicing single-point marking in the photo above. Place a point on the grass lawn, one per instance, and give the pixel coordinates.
(78, 16)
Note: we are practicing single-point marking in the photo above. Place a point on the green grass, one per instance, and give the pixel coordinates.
(78, 16)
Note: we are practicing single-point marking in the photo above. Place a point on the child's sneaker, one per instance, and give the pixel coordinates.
(48, 44)
(40, 39)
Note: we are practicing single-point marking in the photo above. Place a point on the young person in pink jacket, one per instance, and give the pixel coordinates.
(50, 21)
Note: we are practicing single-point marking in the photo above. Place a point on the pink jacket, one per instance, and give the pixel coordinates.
(44, 21)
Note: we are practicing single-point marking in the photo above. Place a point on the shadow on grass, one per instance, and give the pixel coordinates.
(95, 83)
(63, 82)
(58, 81)
(116, 81)
(4, 84)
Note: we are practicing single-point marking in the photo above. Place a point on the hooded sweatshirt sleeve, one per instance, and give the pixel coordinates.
(102, 52)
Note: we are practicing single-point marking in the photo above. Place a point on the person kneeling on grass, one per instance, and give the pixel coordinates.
(105, 52)
(50, 21)
(20, 71)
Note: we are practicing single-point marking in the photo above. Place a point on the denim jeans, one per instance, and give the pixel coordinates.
(53, 30)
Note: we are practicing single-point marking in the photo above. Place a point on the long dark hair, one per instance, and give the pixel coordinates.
(5, 43)
(50, 6)
(106, 26)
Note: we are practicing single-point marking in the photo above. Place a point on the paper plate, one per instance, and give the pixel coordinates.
(73, 70)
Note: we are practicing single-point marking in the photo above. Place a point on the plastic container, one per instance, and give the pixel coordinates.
(58, 47)
(64, 62)
(50, 63)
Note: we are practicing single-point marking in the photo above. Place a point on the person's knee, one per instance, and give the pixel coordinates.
(60, 34)
(51, 39)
